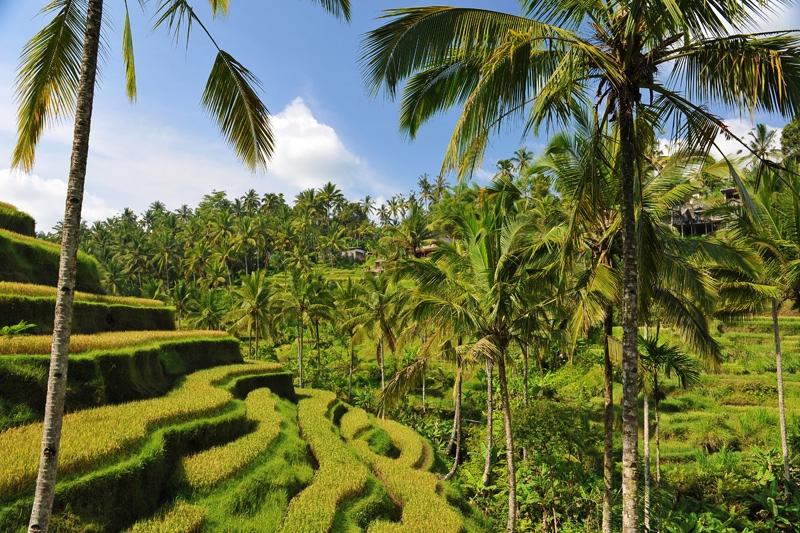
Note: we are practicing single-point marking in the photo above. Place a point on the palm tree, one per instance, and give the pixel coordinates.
(522, 159)
(474, 284)
(294, 301)
(425, 190)
(250, 306)
(378, 313)
(346, 297)
(659, 359)
(770, 223)
(320, 308)
(536, 68)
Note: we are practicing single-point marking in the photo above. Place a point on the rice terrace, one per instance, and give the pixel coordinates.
(319, 266)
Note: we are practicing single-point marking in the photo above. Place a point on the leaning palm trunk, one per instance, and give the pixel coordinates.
(512, 475)
(630, 323)
(424, 366)
(62, 325)
(608, 423)
(781, 406)
(456, 423)
(487, 465)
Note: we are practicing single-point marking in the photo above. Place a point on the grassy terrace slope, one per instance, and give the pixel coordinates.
(106, 368)
(29, 260)
(12, 219)
(92, 313)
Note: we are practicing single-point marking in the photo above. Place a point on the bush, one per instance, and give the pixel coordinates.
(28, 260)
(207, 468)
(93, 437)
(340, 476)
(12, 219)
(87, 317)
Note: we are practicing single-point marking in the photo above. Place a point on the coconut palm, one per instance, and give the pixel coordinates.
(378, 312)
(346, 297)
(474, 285)
(250, 307)
(293, 301)
(537, 68)
(657, 360)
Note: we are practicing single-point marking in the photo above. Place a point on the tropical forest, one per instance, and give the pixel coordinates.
(597, 330)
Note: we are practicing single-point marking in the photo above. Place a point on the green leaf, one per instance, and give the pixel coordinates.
(231, 98)
(48, 76)
(127, 56)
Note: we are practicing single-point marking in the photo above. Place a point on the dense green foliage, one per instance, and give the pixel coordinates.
(28, 260)
(12, 219)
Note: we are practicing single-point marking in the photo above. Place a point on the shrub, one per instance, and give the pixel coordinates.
(340, 476)
(28, 260)
(87, 317)
(12, 219)
(93, 437)
(40, 344)
(181, 518)
(207, 468)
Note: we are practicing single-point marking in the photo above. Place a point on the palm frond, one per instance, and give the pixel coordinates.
(127, 56)
(231, 98)
(48, 76)
(338, 8)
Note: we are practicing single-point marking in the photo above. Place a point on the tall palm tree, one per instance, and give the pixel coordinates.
(294, 301)
(250, 306)
(657, 360)
(346, 297)
(536, 68)
(475, 283)
(378, 313)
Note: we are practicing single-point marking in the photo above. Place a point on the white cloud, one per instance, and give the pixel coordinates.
(135, 160)
(739, 128)
(44, 198)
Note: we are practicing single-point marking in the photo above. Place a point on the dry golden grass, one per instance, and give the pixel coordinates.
(45, 291)
(92, 437)
(40, 344)
(205, 469)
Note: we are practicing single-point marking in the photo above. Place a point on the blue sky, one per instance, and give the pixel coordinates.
(165, 147)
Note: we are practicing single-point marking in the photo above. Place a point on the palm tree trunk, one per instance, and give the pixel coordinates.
(630, 318)
(62, 325)
(424, 366)
(319, 355)
(646, 427)
(608, 422)
(525, 388)
(781, 406)
(350, 376)
(456, 422)
(511, 525)
(383, 370)
(658, 442)
(487, 465)
(300, 353)
(257, 337)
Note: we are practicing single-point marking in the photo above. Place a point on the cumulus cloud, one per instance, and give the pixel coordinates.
(739, 128)
(135, 160)
(44, 198)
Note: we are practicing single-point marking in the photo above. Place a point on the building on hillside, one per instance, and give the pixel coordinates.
(691, 219)
(354, 255)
